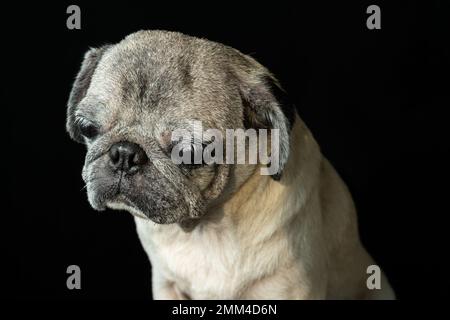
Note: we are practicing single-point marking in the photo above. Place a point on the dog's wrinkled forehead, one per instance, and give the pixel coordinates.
(150, 77)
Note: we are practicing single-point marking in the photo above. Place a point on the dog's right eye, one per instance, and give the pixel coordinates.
(87, 128)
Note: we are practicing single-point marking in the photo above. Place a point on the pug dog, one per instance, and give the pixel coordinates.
(214, 231)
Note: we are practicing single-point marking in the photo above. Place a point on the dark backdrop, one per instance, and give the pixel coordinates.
(375, 100)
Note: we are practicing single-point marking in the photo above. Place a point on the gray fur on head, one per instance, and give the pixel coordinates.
(151, 83)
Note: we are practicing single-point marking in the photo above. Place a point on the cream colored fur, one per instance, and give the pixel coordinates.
(291, 239)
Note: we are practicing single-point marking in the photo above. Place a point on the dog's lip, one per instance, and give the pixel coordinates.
(119, 204)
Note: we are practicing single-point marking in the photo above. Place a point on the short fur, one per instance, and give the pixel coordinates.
(216, 231)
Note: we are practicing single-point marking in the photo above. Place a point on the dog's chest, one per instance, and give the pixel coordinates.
(205, 264)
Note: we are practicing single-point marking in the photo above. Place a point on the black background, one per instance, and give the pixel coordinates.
(376, 100)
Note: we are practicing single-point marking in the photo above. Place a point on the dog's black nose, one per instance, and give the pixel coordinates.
(127, 156)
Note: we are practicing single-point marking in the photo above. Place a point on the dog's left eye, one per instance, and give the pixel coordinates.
(87, 128)
(192, 151)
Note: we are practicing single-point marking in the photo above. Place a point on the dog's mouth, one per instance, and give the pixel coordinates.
(144, 198)
(120, 202)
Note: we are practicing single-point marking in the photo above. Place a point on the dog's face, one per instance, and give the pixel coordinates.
(127, 100)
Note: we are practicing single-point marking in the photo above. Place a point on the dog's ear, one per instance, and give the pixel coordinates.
(80, 87)
(266, 105)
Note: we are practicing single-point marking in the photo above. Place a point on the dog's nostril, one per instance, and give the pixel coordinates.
(114, 154)
(126, 156)
(140, 158)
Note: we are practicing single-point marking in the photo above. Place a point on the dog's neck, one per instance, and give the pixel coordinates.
(261, 196)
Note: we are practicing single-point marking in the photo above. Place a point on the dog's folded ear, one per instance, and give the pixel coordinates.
(266, 105)
(80, 87)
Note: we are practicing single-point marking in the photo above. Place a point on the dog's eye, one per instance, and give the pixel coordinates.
(188, 155)
(191, 152)
(192, 156)
(87, 128)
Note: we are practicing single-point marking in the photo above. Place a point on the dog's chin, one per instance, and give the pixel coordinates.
(120, 202)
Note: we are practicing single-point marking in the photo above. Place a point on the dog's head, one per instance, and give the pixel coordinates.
(127, 100)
